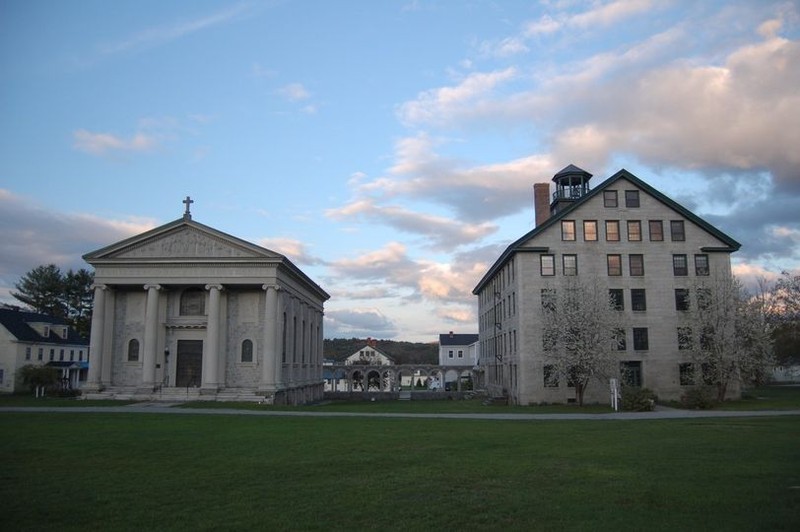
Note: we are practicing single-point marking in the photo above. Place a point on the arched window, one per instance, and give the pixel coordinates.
(193, 302)
(133, 350)
(247, 351)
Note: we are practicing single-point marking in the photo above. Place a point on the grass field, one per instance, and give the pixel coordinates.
(97, 471)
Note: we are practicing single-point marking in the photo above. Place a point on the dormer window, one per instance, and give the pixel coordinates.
(46, 331)
(64, 332)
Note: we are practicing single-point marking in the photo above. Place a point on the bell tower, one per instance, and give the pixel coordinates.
(572, 183)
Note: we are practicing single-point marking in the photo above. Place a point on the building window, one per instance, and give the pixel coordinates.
(619, 337)
(52, 355)
(609, 198)
(450, 353)
(247, 350)
(656, 230)
(568, 230)
(677, 231)
(460, 353)
(684, 338)
(701, 264)
(612, 230)
(614, 265)
(193, 302)
(550, 376)
(632, 199)
(133, 350)
(547, 264)
(686, 372)
(590, 230)
(634, 231)
(616, 298)
(40, 354)
(570, 264)
(679, 266)
(71, 355)
(636, 263)
(61, 355)
(704, 298)
(2, 375)
(638, 299)
(640, 341)
(631, 373)
(27, 353)
(682, 299)
(548, 298)
(80, 355)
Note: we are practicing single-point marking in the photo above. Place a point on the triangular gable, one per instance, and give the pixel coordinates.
(522, 244)
(182, 239)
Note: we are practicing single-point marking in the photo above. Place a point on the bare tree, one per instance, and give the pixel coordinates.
(731, 336)
(581, 333)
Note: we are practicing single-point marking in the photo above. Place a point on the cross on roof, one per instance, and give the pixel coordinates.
(188, 202)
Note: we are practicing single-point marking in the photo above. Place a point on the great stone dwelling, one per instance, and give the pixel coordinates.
(623, 235)
(187, 311)
(38, 339)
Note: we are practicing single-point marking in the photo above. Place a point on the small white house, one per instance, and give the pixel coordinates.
(369, 355)
(39, 339)
(458, 349)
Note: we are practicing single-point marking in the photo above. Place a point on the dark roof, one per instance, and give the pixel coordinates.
(516, 246)
(16, 322)
(457, 339)
(571, 169)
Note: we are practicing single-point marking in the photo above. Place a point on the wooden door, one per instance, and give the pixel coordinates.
(189, 365)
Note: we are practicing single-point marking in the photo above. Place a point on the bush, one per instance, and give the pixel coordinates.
(700, 398)
(638, 399)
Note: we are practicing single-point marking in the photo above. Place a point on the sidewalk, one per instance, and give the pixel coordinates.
(171, 409)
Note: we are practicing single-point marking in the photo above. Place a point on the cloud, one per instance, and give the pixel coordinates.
(358, 323)
(296, 250)
(443, 233)
(33, 235)
(105, 143)
(294, 92)
(436, 105)
(160, 35)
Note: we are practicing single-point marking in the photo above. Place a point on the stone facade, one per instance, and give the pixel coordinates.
(186, 310)
(574, 239)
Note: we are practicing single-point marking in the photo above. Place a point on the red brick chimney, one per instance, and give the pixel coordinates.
(541, 202)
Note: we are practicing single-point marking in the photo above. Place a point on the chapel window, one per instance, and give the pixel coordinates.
(656, 230)
(590, 230)
(701, 264)
(133, 350)
(610, 198)
(247, 350)
(193, 302)
(612, 230)
(634, 230)
(547, 265)
(677, 230)
(632, 198)
(568, 230)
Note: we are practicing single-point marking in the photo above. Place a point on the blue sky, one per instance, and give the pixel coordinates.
(389, 148)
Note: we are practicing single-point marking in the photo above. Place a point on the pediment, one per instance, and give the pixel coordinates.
(187, 242)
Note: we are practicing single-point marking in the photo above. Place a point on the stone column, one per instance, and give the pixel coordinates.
(150, 337)
(271, 357)
(211, 360)
(96, 339)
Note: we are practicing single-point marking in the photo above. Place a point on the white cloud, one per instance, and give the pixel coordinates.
(294, 92)
(296, 250)
(105, 143)
(34, 236)
(160, 35)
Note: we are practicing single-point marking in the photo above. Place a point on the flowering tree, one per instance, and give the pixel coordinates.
(581, 333)
(731, 335)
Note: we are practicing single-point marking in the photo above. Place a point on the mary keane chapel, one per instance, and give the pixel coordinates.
(187, 311)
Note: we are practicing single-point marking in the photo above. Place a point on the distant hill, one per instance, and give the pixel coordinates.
(402, 352)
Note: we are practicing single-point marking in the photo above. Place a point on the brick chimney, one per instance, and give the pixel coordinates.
(541, 202)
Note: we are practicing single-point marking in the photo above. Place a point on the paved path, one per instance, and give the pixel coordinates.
(169, 408)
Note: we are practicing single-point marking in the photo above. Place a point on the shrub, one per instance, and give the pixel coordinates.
(637, 399)
(700, 398)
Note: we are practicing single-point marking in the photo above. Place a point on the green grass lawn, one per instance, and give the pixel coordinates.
(98, 471)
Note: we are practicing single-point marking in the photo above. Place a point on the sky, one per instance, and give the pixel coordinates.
(389, 148)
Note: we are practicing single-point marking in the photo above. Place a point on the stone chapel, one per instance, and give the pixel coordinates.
(187, 312)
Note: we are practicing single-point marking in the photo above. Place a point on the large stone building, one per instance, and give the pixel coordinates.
(184, 310)
(624, 236)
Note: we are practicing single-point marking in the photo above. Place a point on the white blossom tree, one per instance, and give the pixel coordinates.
(731, 336)
(581, 333)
